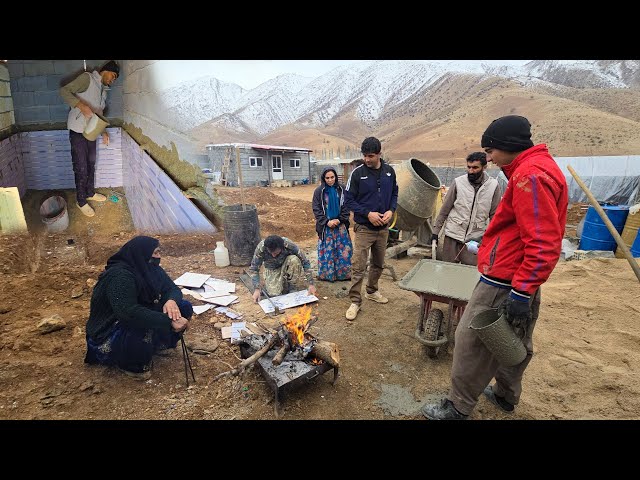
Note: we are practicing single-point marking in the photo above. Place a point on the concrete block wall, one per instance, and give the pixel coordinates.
(11, 164)
(7, 117)
(47, 163)
(35, 85)
(156, 203)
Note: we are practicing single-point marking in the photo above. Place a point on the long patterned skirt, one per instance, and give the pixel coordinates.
(334, 254)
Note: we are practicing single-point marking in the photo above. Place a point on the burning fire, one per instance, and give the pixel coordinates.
(296, 324)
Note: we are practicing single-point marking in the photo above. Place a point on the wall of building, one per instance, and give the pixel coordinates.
(255, 176)
(35, 86)
(47, 160)
(11, 165)
(156, 203)
(7, 116)
(150, 113)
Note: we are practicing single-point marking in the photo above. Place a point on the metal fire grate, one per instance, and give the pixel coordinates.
(293, 372)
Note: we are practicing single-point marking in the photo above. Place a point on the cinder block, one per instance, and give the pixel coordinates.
(59, 113)
(54, 82)
(38, 67)
(51, 97)
(16, 68)
(23, 99)
(4, 72)
(31, 84)
(65, 67)
(5, 89)
(33, 114)
(6, 104)
(6, 120)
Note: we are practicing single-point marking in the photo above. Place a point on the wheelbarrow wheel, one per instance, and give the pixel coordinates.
(431, 327)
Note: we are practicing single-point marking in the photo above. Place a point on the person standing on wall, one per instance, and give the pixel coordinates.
(86, 95)
(468, 207)
(372, 195)
(519, 251)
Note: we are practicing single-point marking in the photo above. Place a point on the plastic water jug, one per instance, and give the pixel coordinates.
(221, 255)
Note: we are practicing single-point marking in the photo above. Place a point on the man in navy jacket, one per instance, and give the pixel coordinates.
(372, 195)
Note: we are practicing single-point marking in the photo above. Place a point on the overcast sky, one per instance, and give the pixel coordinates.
(251, 73)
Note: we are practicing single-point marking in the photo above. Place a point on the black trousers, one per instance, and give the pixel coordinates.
(83, 157)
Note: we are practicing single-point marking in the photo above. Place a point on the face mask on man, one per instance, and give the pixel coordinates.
(473, 177)
(154, 261)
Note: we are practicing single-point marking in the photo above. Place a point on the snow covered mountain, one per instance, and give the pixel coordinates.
(368, 89)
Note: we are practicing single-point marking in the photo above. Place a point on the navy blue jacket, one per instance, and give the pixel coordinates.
(364, 195)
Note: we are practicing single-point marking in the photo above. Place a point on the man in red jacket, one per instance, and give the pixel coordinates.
(519, 250)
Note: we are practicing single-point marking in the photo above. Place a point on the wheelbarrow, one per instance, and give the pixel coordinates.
(443, 282)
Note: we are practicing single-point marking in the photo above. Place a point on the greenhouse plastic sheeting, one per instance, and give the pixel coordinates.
(611, 179)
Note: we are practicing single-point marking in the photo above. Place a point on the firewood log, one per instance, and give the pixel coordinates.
(327, 352)
(279, 357)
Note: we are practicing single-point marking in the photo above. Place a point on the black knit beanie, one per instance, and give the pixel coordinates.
(511, 134)
(111, 66)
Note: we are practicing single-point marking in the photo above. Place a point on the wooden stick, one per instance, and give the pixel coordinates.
(249, 361)
(612, 230)
(240, 177)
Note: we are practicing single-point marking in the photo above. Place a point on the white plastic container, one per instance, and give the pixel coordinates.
(221, 255)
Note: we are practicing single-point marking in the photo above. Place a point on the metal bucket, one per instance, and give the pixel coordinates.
(53, 212)
(95, 126)
(498, 336)
(418, 188)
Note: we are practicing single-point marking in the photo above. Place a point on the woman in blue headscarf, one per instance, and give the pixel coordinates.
(332, 226)
(136, 310)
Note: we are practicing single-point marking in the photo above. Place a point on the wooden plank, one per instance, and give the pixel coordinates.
(11, 213)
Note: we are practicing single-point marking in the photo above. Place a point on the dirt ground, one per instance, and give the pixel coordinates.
(586, 342)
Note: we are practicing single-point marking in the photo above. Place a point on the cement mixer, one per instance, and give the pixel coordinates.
(418, 188)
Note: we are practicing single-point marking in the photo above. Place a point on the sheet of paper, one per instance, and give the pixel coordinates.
(293, 299)
(226, 332)
(186, 291)
(192, 280)
(224, 301)
(221, 285)
(215, 294)
(228, 312)
(198, 309)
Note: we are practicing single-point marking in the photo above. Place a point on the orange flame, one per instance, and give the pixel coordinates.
(297, 323)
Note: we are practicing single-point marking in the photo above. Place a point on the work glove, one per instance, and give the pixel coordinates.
(517, 309)
(434, 238)
(472, 246)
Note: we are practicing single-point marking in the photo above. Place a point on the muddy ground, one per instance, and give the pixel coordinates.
(586, 343)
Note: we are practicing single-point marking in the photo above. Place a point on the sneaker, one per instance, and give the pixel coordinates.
(352, 311)
(444, 411)
(146, 375)
(97, 197)
(376, 297)
(498, 401)
(87, 210)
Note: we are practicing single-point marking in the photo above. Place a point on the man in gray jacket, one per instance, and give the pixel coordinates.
(468, 207)
(86, 95)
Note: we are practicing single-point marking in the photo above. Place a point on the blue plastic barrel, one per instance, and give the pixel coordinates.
(635, 248)
(595, 235)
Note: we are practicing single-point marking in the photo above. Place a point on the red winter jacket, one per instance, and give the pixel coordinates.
(523, 241)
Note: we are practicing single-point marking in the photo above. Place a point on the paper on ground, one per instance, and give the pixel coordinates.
(228, 312)
(289, 300)
(198, 309)
(215, 294)
(186, 291)
(221, 285)
(190, 279)
(224, 301)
